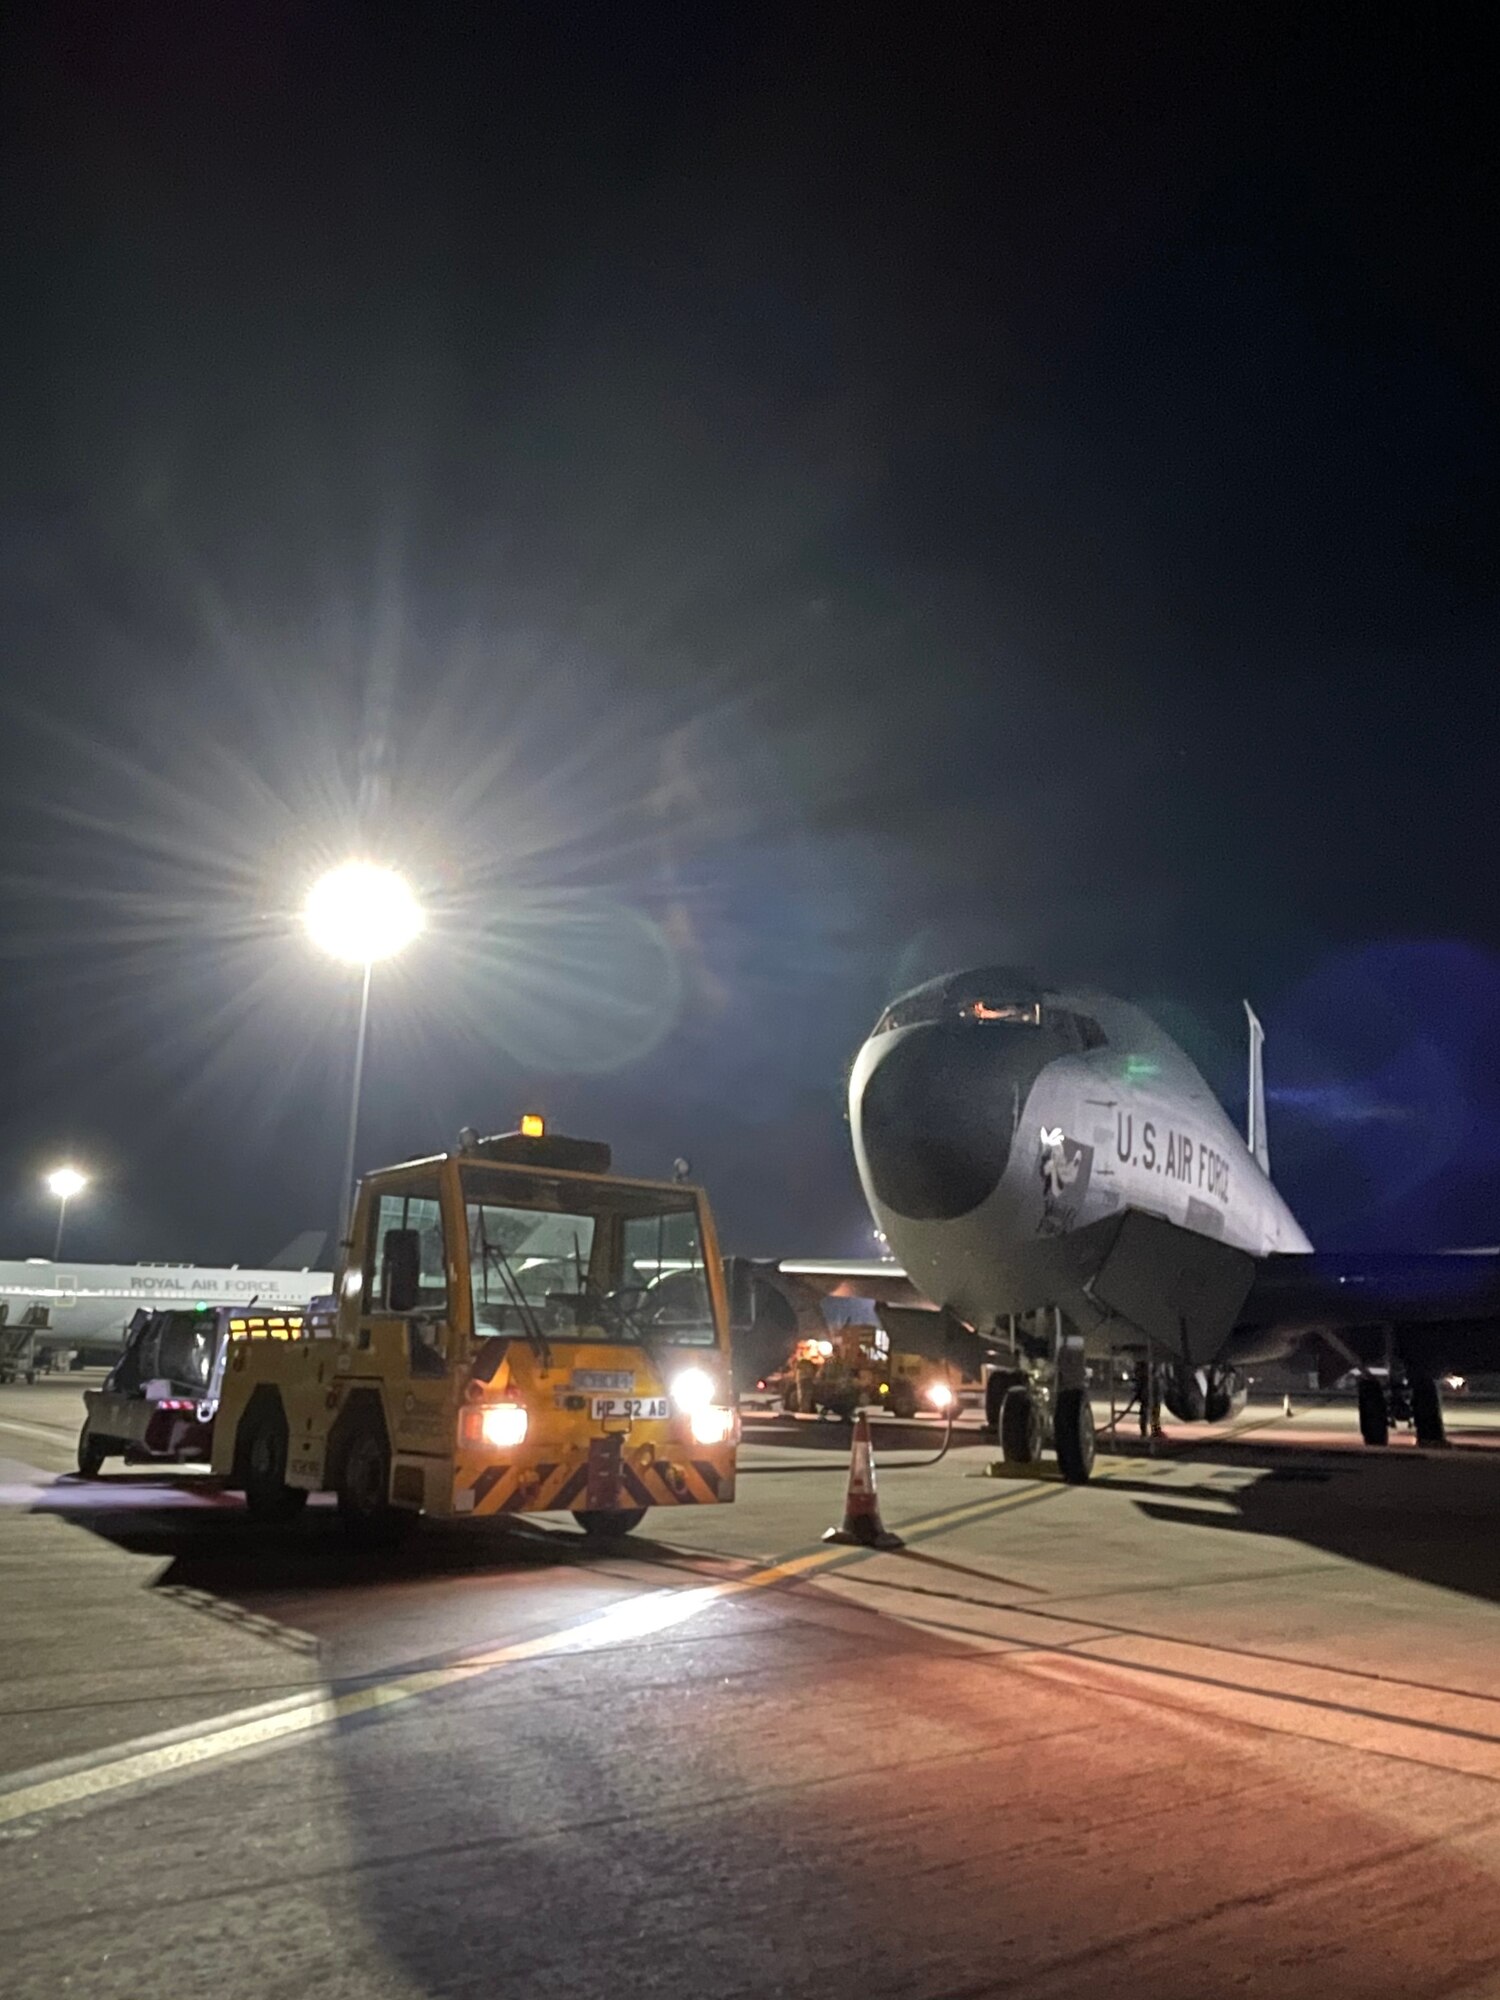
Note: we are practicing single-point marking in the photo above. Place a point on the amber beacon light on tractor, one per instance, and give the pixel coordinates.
(515, 1329)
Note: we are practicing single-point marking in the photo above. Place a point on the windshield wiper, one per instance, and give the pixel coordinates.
(494, 1253)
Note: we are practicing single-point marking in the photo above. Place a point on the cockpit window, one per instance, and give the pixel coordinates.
(911, 1012)
(1018, 1013)
(1080, 1031)
(985, 1009)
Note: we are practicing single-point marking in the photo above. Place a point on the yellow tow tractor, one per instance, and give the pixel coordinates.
(852, 1367)
(515, 1329)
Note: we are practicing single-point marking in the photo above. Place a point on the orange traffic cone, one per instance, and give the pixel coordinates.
(862, 1522)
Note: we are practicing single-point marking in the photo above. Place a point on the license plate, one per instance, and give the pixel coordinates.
(629, 1406)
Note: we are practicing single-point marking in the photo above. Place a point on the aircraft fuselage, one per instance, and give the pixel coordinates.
(995, 1120)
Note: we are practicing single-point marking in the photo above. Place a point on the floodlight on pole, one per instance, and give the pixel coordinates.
(360, 912)
(62, 1184)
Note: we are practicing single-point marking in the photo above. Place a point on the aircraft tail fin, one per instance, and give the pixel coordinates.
(1255, 1117)
(301, 1254)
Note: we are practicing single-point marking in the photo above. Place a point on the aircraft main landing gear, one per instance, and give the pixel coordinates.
(1374, 1414)
(1427, 1410)
(1416, 1399)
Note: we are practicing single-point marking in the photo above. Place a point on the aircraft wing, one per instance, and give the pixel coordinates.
(876, 1278)
(1347, 1290)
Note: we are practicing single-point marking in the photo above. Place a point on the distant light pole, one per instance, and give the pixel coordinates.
(360, 912)
(63, 1183)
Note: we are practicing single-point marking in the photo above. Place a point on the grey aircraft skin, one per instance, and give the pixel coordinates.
(1051, 1157)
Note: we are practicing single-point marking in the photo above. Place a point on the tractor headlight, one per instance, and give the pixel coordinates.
(504, 1425)
(940, 1395)
(692, 1390)
(713, 1425)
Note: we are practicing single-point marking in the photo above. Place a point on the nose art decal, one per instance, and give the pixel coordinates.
(1064, 1165)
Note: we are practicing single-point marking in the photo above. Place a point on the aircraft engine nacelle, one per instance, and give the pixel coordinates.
(1204, 1395)
(1185, 1393)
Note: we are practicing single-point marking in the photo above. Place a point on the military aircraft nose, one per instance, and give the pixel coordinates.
(935, 1119)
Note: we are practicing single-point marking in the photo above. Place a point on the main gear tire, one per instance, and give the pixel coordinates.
(1427, 1412)
(1374, 1412)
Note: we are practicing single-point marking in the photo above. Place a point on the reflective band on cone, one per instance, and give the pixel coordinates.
(862, 1522)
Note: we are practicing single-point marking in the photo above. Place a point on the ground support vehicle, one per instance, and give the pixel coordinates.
(159, 1401)
(853, 1368)
(19, 1355)
(517, 1330)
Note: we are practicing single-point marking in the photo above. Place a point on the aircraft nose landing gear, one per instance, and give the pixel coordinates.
(1073, 1434)
(1052, 1395)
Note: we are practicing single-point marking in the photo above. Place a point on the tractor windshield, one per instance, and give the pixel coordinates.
(574, 1259)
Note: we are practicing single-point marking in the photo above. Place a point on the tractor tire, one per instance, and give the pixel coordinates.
(601, 1523)
(363, 1487)
(92, 1452)
(267, 1495)
(902, 1400)
(1073, 1435)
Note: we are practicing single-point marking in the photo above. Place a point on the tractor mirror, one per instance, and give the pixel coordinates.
(401, 1270)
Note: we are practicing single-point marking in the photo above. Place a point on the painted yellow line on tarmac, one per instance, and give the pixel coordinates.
(630, 1618)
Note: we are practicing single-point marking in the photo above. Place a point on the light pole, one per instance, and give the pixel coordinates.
(63, 1183)
(360, 912)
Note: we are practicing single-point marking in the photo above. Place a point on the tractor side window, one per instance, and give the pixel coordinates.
(137, 1364)
(186, 1349)
(664, 1263)
(422, 1213)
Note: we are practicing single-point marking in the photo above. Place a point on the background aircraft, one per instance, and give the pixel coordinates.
(86, 1308)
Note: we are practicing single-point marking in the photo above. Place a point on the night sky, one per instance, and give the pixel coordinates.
(750, 509)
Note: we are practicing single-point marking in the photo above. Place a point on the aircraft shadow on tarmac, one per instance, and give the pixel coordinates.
(1429, 1517)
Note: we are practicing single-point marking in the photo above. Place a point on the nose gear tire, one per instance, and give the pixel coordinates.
(1022, 1430)
(1073, 1435)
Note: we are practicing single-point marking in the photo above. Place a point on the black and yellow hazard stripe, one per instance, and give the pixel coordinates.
(530, 1489)
(554, 1488)
(665, 1483)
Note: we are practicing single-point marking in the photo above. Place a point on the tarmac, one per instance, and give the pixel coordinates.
(1228, 1719)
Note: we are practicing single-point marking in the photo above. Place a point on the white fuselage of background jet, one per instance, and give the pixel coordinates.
(91, 1304)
